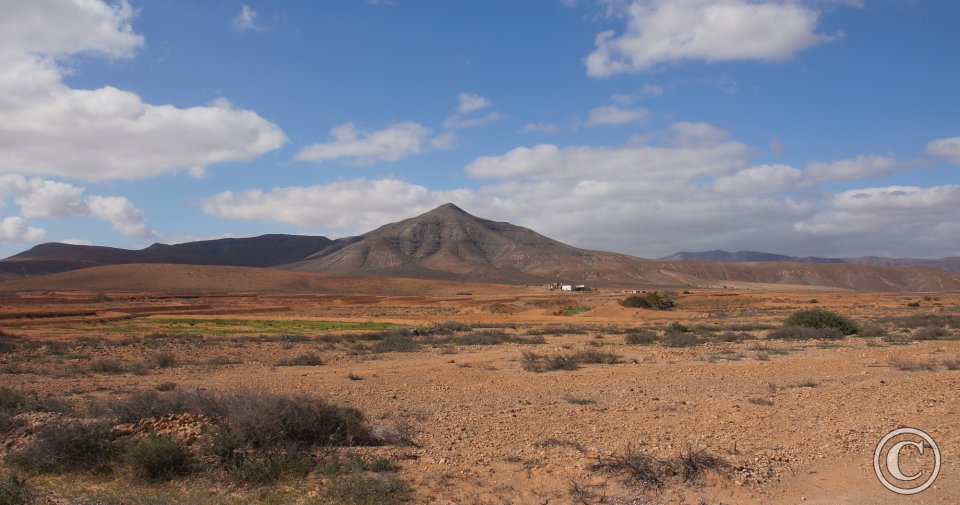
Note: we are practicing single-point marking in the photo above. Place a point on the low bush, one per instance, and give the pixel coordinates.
(678, 339)
(268, 468)
(908, 365)
(929, 333)
(544, 362)
(107, 366)
(14, 490)
(67, 446)
(822, 319)
(804, 333)
(641, 337)
(164, 359)
(362, 490)
(308, 359)
(158, 457)
(654, 300)
(396, 343)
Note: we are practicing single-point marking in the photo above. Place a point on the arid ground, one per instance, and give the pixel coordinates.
(493, 394)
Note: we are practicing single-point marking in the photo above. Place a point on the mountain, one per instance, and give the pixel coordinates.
(262, 251)
(951, 264)
(449, 244)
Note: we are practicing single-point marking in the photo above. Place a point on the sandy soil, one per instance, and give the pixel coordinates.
(798, 422)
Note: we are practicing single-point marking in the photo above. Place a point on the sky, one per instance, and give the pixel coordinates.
(802, 127)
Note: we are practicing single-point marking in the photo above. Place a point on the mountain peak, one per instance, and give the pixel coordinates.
(447, 209)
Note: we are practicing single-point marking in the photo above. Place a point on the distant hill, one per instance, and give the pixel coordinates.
(449, 244)
(262, 251)
(951, 264)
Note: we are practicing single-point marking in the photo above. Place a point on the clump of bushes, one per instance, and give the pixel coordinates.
(14, 490)
(929, 333)
(546, 362)
(822, 319)
(158, 457)
(308, 359)
(653, 300)
(67, 445)
(805, 333)
(640, 336)
(643, 470)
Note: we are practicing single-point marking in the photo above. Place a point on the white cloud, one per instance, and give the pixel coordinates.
(43, 198)
(894, 220)
(664, 31)
(645, 91)
(15, 230)
(856, 168)
(613, 115)
(246, 19)
(363, 148)
(75, 241)
(467, 105)
(540, 127)
(457, 121)
(469, 102)
(48, 128)
(445, 141)
(948, 148)
(695, 150)
(761, 179)
(121, 213)
(352, 206)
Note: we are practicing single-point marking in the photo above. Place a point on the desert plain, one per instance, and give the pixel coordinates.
(486, 393)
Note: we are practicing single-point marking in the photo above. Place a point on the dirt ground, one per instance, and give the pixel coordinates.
(794, 421)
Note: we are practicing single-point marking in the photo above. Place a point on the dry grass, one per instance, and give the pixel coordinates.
(908, 365)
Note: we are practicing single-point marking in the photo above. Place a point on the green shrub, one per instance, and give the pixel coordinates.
(653, 300)
(308, 359)
(640, 337)
(158, 457)
(396, 343)
(67, 446)
(805, 333)
(14, 490)
(271, 420)
(821, 318)
(361, 490)
(264, 469)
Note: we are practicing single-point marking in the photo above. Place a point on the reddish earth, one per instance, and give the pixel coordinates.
(796, 421)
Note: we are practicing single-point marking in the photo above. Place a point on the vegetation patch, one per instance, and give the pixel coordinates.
(653, 300)
(822, 319)
(158, 457)
(805, 333)
(309, 359)
(549, 362)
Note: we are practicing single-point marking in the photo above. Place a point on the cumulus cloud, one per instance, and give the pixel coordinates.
(689, 187)
(613, 115)
(363, 148)
(665, 31)
(467, 105)
(15, 230)
(646, 90)
(695, 150)
(759, 180)
(948, 148)
(48, 128)
(469, 102)
(43, 198)
(856, 168)
(353, 206)
(246, 19)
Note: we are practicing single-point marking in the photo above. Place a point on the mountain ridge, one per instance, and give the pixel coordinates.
(948, 264)
(449, 244)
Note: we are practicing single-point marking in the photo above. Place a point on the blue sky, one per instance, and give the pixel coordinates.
(821, 127)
